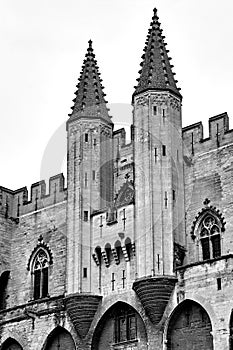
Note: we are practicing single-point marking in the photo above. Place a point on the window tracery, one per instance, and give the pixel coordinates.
(40, 274)
(210, 237)
(207, 228)
(39, 264)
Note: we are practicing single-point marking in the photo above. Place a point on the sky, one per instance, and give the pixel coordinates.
(43, 44)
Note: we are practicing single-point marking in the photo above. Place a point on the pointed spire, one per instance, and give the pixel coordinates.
(156, 72)
(90, 98)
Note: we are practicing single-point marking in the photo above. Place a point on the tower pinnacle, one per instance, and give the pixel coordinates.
(90, 98)
(156, 72)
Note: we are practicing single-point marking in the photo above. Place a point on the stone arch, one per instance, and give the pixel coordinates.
(128, 247)
(117, 246)
(108, 251)
(11, 344)
(120, 323)
(59, 338)
(189, 328)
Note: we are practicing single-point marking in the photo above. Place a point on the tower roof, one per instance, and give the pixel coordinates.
(90, 98)
(156, 72)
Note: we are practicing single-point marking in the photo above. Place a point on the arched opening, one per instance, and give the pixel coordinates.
(40, 274)
(108, 251)
(59, 339)
(189, 328)
(120, 325)
(11, 344)
(118, 249)
(128, 246)
(3, 288)
(98, 253)
(231, 331)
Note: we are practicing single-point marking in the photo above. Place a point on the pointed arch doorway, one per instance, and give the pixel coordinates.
(189, 328)
(59, 339)
(11, 344)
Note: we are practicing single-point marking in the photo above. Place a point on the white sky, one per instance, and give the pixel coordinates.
(43, 44)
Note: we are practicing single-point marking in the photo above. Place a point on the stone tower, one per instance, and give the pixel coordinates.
(158, 156)
(89, 170)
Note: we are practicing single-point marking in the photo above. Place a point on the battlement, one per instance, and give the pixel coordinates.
(219, 135)
(13, 204)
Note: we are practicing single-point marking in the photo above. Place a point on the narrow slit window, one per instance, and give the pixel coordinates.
(164, 114)
(93, 175)
(86, 137)
(174, 195)
(85, 180)
(94, 142)
(155, 110)
(219, 283)
(165, 199)
(156, 154)
(164, 150)
(85, 218)
(84, 272)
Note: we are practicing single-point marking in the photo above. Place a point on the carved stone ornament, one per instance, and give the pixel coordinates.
(160, 99)
(125, 194)
(211, 211)
(40, 245)
(105, 131)
(73, 130)
(175, 103)
(142, 101)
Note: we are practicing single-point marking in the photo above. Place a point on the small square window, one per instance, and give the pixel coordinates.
(85, 218)
(86, 137)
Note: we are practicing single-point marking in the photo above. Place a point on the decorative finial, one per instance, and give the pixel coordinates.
(127, 176)
(206, 202)
(90, 44)
(40, 239)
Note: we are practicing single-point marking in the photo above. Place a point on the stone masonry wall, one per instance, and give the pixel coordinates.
(208, 174)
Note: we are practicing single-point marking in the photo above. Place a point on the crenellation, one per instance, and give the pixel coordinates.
(219, 136)
(15, 203)
(192, 136)
(218, 124)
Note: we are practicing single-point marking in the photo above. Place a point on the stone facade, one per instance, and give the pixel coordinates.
(137, 251)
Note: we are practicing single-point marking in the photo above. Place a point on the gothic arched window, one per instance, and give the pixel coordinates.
(39, 264)
(210, 237)
(40, 274)
(207, 230)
